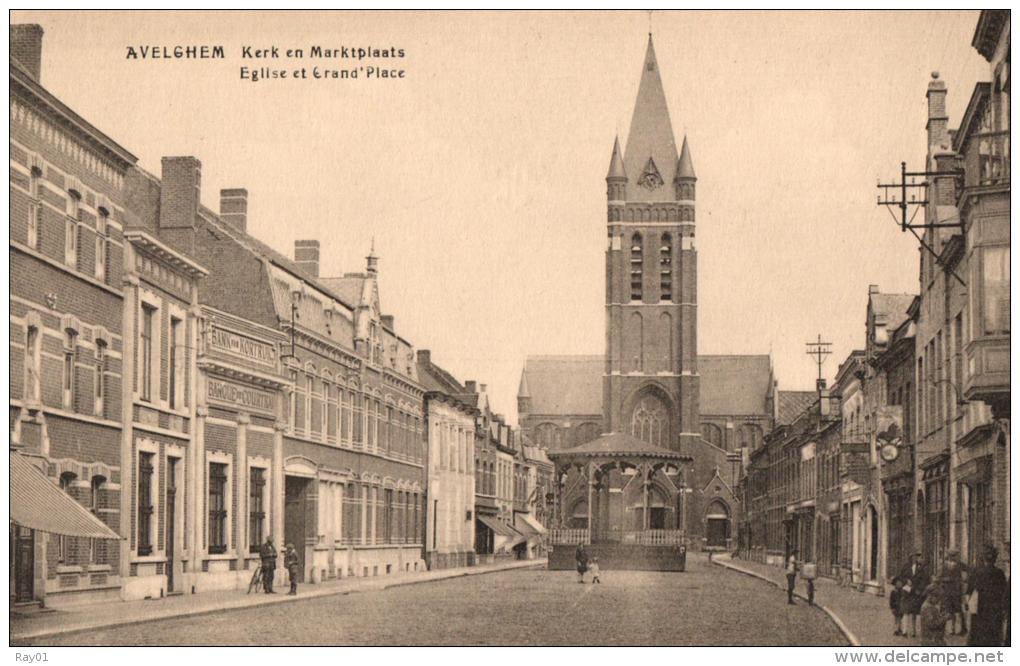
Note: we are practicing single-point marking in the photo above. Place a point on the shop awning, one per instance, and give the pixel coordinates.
(528, 526)
(37, 503)
(500, 528)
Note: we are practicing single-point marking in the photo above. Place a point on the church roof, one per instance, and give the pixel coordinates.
(564, 384)
(617, 443)
(737, 385)
(651, 147)
(730, 385)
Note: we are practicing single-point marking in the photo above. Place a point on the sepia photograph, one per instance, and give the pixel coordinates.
(674, 329)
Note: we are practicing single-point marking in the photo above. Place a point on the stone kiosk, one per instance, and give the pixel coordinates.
(624, 497)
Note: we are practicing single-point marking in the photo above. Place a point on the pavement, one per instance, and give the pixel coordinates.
(32, 626)
(705, 605)
(864, 618)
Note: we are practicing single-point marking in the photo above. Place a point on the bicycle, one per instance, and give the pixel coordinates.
(256, 580)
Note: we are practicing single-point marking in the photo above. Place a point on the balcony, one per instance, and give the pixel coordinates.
(986, 159)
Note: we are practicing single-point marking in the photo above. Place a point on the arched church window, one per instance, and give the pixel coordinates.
(749, 436)
(649, 422)
(712, 434)
(636, 267)
(666, 268)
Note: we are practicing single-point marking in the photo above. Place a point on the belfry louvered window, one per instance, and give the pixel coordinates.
(666, 268)
(636, 264)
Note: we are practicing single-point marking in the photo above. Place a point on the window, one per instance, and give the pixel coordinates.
(101, 222)
(145, 507)
(71, 229)
(388, 517)
(650, 423)
(309, 387)
(148, 315)
(636, 267)
(70, 346)
(64, 542)
(32, 360)
(97, 551)
(370, 422)
(352, 514)
(174, 366)
(358, 421)
(666, 268)
(35, 208)
(995, 290)
(256, 508)
(388, 427)
(327, 408)
(100, 380)
(345, 416)
(217, 508)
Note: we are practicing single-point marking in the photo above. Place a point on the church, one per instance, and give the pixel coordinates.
(648, 439)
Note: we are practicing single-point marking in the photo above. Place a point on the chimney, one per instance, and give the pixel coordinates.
(938, 120)
(425, 356)
(306, 256)
(824, 408)
(387, 321)
(482, 388)
(872, 289)
(180, 192)
(471, 386)
(26, 47)
(234, 207)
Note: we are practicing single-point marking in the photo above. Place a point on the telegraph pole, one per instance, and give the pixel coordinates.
(819, 350)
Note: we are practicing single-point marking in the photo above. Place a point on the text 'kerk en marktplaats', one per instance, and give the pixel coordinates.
(380, 67)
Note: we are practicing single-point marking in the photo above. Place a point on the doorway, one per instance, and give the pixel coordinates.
(171, 523)
(717, 529)
(23, 545)
(296, 502)
(657, 518)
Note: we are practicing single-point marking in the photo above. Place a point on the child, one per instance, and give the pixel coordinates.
(292, 563)
(896, 605)
(594, 569)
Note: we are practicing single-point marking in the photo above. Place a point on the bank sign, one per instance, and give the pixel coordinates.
(240, 397)
(243, 346)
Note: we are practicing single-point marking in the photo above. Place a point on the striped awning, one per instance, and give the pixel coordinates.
(528, 526)
(37, 503)
(499, 527)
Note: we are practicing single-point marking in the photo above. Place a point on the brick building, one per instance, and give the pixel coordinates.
(67, 341)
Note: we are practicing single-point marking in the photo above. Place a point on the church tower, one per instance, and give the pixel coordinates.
(650, 387)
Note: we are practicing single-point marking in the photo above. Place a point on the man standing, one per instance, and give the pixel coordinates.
(952, 579)
(915, 581)
(791, 575)
(290, 560)
(986, 590)
(268, 555)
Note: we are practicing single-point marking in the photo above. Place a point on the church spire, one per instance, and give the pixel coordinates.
(651, 156)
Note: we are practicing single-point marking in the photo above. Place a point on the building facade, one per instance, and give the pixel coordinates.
(450, 430)
(68, 214)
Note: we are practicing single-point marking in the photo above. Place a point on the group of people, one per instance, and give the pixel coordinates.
(979, 598)
(586, 564)
(290, 560)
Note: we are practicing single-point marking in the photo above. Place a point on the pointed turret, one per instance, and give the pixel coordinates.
(685, 175)
(523, 395)
(685, 167)
(616, 179)
(616, 169)
(651, 157)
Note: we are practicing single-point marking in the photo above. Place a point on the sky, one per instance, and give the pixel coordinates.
(480, 174)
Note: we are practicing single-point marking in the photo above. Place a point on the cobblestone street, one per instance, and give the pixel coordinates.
(707, 605)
